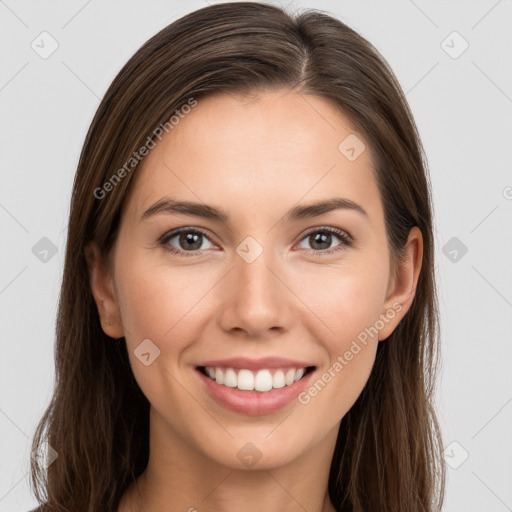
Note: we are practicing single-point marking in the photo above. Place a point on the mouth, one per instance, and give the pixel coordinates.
(262, 380)
(254, 388)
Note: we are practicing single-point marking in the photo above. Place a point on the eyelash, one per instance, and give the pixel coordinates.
(346, 240)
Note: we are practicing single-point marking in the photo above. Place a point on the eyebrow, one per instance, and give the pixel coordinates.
(170, 206)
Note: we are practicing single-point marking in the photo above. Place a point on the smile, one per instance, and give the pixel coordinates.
(254, 387)
(262, 380)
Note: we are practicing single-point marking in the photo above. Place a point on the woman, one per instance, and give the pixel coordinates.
(248, 318)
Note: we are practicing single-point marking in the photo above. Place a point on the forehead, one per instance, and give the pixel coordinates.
(268, 150)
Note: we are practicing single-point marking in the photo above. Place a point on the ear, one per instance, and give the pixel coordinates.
(102, 287)
(402, 284)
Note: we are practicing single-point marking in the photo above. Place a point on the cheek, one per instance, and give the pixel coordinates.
(348, 302)
(158, 304)
(351, 349)
(346, 299)
(152, 296)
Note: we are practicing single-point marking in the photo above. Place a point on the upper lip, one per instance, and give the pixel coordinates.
(256, 364)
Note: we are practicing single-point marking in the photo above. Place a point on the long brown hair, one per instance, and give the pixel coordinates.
(388, 454)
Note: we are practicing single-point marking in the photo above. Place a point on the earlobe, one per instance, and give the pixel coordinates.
(403, 284)
(103, 292)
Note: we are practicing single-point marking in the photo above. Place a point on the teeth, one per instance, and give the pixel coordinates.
(262, 380)
(289, 378)
(245, 380)
(278, 379)
(229, 378)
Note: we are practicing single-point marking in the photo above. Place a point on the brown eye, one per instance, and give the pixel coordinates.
(188, 241)
(321, 239)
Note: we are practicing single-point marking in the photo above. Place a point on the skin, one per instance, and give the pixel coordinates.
(256, 159)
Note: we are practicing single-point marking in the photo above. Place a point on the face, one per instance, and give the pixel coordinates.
(260, 288)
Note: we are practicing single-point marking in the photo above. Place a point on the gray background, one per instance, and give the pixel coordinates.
(463, 108)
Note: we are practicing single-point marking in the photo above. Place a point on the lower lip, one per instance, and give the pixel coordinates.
(254, 403)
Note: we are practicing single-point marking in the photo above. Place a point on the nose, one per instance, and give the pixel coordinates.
(256, 299)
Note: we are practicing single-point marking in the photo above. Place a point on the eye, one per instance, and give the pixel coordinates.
(321, 238)
(190, 239)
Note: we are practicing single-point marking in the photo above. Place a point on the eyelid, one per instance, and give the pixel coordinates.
(342, 233)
